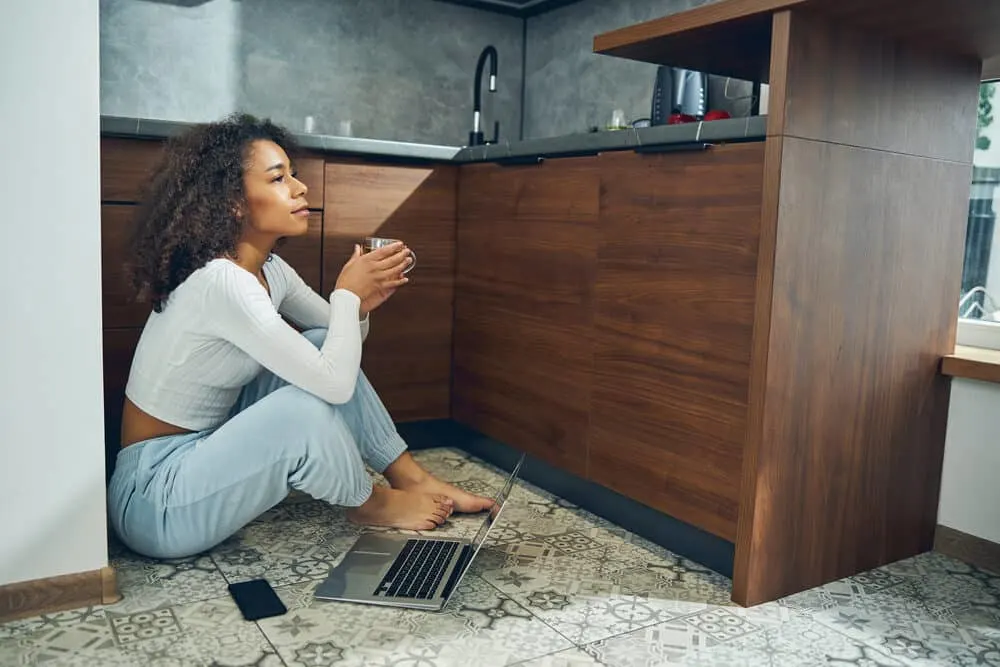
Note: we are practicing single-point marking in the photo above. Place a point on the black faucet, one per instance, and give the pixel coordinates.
(476, 136)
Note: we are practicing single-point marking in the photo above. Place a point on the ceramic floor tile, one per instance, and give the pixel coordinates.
(910, 622)
(799, 641)
(676, 641)
(201, 633)
(580, 599)
(75, 637)
(480, 626)
(146, 583)
(925, 564)
(574, 657)
(53, 621)
(983, 621)
(557, 575)
(208, 632)
(283, 552)
(302, 508)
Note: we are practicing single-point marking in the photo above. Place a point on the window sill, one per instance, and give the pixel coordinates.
(972, 363)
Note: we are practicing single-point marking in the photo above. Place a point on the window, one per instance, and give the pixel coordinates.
(979, 303)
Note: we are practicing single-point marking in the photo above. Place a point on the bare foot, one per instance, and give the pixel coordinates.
(407, 475)
(464, 501)
(406, 509)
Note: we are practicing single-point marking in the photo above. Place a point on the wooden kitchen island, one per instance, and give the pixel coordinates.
(867, 166)
(744, 336)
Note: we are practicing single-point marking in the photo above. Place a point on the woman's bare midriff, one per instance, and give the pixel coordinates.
(138, 425)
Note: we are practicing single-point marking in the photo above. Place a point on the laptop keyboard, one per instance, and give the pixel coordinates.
(417, 570)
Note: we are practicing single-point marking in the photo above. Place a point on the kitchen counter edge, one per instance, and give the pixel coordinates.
(592, 143)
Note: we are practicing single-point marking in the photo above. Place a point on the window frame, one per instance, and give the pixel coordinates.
(974, 332)
(978, 333)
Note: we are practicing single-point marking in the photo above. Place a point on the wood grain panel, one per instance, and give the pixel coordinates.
(69, 591)
(310, 170)
(524, 304)
(903, 99)
(119, 348)
(760, 344)
(305, 253)
(126, 165)
(856, 305)
(732, 37)
(408, 352)
(675, 300)
(868, 261)
(120, 308)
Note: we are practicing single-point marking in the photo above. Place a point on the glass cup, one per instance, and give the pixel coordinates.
(375, 242)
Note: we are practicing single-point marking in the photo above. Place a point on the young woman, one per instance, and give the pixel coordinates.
(227, 405)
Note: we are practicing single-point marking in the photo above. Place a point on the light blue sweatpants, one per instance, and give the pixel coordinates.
(179, 495)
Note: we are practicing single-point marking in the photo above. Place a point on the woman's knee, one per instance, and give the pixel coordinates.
(303, 409)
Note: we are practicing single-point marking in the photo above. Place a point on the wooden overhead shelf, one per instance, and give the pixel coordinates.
(733, 37)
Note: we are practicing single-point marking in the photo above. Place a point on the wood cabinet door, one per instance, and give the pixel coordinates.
(305, 253)
(523, 305)
(407, 355)
(676, 271)
(127, 164)
(120, 308)
(119, 347)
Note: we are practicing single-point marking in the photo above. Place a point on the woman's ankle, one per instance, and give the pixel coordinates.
(405, 471)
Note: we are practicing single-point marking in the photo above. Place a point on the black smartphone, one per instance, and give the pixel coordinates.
(256, 599)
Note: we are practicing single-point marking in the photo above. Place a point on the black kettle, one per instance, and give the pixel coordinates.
(678, 91)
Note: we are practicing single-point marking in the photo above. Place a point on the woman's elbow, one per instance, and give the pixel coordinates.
(338, 393)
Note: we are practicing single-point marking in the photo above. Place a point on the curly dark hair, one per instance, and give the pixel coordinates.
(189, 211)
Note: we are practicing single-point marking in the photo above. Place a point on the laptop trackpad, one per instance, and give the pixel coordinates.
(362, 562)
(371, 554)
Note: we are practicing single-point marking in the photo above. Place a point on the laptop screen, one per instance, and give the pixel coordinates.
(498, 504)
(470, 552)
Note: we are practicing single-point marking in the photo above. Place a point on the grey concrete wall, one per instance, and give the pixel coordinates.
(395, 69)
(569, 88)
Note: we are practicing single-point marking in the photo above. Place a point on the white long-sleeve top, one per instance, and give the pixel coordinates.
(220, 328)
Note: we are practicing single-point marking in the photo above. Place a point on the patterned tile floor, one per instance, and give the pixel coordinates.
(555, 587)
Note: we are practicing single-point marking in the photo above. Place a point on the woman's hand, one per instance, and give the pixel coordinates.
(376, 275)
(374, 301)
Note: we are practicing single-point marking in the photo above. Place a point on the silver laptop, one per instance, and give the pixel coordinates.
(414, 572)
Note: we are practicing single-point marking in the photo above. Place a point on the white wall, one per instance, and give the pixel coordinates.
(970, 494)
(52, 496)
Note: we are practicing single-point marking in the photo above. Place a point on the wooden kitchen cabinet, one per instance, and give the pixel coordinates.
(128, 163)
(673, 325)
(408, 352)
(862, 219)
(120, 308)
(305, 253)
(527, 238)
(604, 318)
(119, 348)
(126, 166)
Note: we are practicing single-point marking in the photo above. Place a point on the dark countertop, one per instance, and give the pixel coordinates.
(729, 130)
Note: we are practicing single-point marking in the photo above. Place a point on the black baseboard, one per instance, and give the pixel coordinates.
(670, 533)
